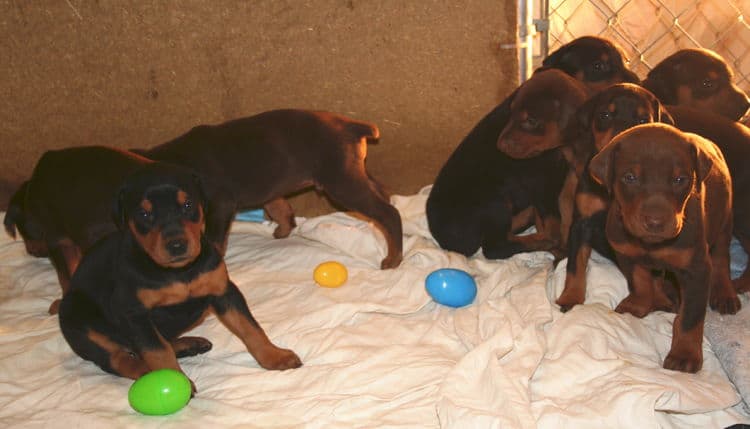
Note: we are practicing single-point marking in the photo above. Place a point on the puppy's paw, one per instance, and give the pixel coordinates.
(190, 346)
(684, 362)
(54, 308)
(391, 261)
(635, 305)
(568, 300)
(279, 359)
(742, 284)
(726, 304)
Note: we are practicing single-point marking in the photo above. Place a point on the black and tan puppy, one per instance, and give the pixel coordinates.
(595, 61)
(466, 188)
(136, 291)
(602, 117)
(698, 78)
(486, 214)
(670, 210)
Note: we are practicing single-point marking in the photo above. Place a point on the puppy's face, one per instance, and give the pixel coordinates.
(651, 171)
(164, 214)
(701, 79)
(595, 61)
(542, 108)
(618, 108)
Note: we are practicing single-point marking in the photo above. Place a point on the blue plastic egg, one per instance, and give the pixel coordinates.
(451, 287)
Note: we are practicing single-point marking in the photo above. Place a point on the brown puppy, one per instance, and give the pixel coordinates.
(698, 78)
(733, 139)
(263, 158)
(65, 207)
(671, 210)
(603, 116)
(475, 194)
(247, 163)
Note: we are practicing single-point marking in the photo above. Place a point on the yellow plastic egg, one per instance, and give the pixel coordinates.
(330, 274)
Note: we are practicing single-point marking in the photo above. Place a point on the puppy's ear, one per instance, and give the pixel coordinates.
(629, 76)
(661, 81)
(662, 113)
(118, 208)
(201, 192)
(586, 112)
(563, 59)
(602, 165)
(704, 162)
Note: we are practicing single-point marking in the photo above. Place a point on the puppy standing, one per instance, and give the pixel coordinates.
(602, 117)
(245, 163)
(136, 291)
(671, 210)
(260, 159)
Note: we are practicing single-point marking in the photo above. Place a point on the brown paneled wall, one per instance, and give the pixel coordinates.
(135, 74)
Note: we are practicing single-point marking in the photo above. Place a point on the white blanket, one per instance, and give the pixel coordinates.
(377, 352)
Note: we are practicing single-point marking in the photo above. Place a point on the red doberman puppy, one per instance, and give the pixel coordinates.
(602, 117)
(698, 78)
(670, 210)
(733, 139)
(137, 290)
(479, 217)
(246, 163)
(65, 207)
(263, 158)
(468, 192)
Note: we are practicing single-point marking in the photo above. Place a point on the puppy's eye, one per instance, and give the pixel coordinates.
(707, 83)
(530, 124)
(144, 215)
(629, 178)
(605, 115)
(680, 180)
(644, 120)
(187, 205)
(598, 66)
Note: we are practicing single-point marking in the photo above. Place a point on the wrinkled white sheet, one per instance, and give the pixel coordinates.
(377, 351)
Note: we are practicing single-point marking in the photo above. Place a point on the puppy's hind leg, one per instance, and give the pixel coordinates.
(362, 194)
(94, 339)
(281, 212)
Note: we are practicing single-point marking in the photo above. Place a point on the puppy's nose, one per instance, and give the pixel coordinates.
(177, 247)
(653, 223)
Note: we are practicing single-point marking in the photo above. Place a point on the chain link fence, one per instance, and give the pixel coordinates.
(650, 30)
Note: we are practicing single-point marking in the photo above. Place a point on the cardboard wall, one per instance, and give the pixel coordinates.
(137, 74)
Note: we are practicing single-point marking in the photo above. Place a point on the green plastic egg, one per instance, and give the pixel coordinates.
(160, 392)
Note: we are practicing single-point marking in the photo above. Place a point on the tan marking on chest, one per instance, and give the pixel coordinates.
(589, 204)
(675, 256)
(209, 283)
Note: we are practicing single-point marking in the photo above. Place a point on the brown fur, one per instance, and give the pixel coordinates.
(670, 210)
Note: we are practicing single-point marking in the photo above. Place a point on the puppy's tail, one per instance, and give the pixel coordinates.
(364, 130)
(15, 214)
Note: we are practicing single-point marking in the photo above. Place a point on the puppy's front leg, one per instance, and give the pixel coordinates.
(686, 353)
(233, 312)
(155, 351)
(645, 294)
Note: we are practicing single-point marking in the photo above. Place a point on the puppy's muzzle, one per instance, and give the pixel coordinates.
(175, 242)
(177, 247)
